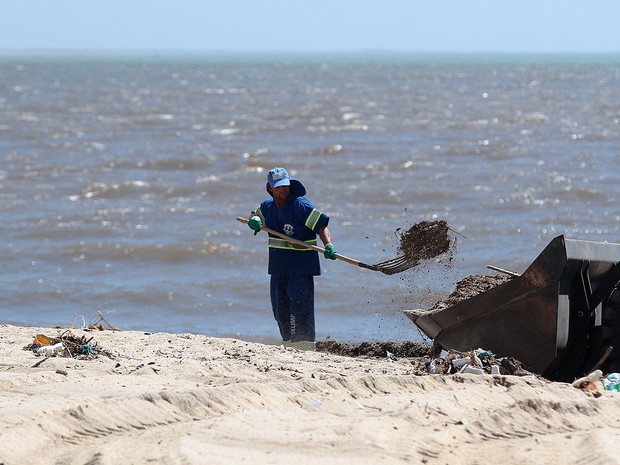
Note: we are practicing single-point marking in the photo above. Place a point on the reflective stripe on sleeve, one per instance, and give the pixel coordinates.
(260, 215)
(313, 218)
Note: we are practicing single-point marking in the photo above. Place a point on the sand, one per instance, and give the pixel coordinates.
(190, 399)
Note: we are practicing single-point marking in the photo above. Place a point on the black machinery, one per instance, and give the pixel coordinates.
(560, 318)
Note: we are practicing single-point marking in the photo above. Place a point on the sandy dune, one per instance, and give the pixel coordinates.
(189, 399)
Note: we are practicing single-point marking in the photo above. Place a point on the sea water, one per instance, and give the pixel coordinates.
(122, 176)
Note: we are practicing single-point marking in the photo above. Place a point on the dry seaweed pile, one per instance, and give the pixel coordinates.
(424, 240)
(374, 349)
(470, 287)
(416, 354)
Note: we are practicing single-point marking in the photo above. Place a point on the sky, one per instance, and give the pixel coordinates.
(444, 26)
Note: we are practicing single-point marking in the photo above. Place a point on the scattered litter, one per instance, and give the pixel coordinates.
(49, 350)
(472, 370)
(596, 383)
(432, 367)
(596, 375)
(459, 362)
(508, 364)
(77, 319)
(66, 345)
(42, 340)
(99, 323)
(591, 384)
(593, 388)
(612, 382)
(427, 359)
(475, 362)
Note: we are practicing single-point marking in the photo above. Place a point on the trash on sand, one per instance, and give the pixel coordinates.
(42, 340)
(508, 364)
(590, 384)
(99, 323)
(49, 350)
(481, 354)
(66, 345)
(596, 383)
(459, 362)
(476, 362)
(78, 319)
(612, 382)
(315, 403)
(612, 387)
(594, 376)
(472, 370)
(432, 367)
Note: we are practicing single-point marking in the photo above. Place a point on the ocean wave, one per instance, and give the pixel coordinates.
(163, 253)
(338, 128)
(169, 164)
(224, 132)
(328, 150)
(113, 190)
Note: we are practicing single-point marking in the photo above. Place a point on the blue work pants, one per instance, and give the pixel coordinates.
(292, 300)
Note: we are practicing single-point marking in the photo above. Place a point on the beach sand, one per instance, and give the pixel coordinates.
(190, 399)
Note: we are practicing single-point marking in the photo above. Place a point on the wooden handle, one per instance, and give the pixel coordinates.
(302, 243)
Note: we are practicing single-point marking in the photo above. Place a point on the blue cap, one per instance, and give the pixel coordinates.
(278, 177)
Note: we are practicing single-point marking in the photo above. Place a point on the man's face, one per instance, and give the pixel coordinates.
(281, 193)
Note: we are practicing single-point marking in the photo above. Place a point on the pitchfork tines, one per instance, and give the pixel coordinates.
(392, 266)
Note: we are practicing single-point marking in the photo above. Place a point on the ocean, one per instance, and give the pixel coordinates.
(123, 175)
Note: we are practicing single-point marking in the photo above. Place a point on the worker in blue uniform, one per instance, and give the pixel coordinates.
(292, 267)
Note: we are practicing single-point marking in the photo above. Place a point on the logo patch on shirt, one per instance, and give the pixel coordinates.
(288, 229)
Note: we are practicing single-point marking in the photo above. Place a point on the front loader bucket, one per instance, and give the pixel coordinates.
(559, 318)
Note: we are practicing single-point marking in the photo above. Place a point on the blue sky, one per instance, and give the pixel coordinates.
(316, 25)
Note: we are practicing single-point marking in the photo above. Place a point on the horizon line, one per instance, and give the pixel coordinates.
(168, 51)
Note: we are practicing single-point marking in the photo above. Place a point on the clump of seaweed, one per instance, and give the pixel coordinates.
(424, 240)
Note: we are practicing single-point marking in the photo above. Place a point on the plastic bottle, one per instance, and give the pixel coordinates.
(51, 350)
(592, 377)
(473, 370)
(459, 362)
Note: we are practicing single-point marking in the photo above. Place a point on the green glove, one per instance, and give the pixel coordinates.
(330, 252)
(255, 223)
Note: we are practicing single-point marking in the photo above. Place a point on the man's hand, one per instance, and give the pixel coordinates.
(255, 223)
(330, 252)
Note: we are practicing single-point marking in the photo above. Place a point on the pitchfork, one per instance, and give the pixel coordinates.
(389, 267)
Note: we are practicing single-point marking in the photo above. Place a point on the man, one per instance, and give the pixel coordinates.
(292, 267)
